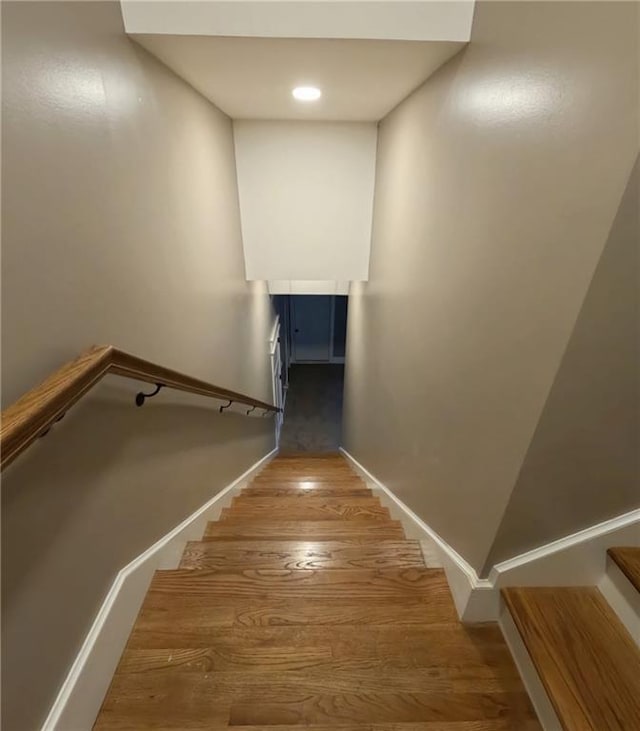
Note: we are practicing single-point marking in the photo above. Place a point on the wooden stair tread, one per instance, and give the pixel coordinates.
(120, 724)
(195, 701)
(267, 679)
(306, 606)
(300, 555)
(301, 708)
(293, 481)
(309, 475)
(436, 645)
(311, 509)
(369, 585)
(447, 649)
(283, 503)
(193, 619)
(585, 658)
(487, 725)
(305, 530)
(316, 489)
(628, 559)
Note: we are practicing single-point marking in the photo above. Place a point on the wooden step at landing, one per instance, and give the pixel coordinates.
(265, 680)
(322, 530)
(492, 725)
(192, 701)
(308, 474)
(186, 620)
(586, 660)
(283, 555)
(365, 585)
(309, 500)
(312, 508)
(313, 489)
(449, 650)
(628, 560)
(324, 478)
(301, 709)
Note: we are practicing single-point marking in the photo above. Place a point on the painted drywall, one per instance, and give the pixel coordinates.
(498, 183)
(252, 78)
(306, 198)
(393, 20)
(583, 462)
(120, 225)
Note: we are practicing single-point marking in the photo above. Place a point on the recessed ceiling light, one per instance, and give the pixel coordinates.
(306, 93)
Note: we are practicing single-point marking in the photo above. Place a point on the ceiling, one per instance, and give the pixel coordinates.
(252, 78)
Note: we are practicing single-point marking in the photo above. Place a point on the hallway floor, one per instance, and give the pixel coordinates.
(305, 607)
(313, 410)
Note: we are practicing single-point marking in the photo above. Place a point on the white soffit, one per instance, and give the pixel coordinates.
(252, 78)
(282, 286)
(446, 20)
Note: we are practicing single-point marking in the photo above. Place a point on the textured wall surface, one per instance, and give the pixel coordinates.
(492, 357)
(120, 225)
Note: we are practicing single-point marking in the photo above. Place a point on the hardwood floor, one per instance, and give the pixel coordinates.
(306, 607)
(628, 559)
(587, 661)
(284, 555)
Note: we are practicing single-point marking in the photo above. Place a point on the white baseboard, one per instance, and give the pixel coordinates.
(530, 678)
(622, 597)
(81, 695)
(462, 577)
(579, 559)
(575, 560)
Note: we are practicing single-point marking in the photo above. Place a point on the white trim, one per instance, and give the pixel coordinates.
(462, 577)
(562, 544)
(574, 560)
(275, 331)
(279, 394)
(530, 678)
(82, 691)
(622, 597)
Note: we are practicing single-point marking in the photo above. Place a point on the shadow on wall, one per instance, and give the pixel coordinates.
(102, 487)
(583, 464)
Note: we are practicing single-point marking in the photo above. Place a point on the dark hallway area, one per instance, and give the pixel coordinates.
(313, 354)
(313, 413)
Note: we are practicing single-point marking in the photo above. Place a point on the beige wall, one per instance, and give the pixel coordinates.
(120, 225)
(478, 357)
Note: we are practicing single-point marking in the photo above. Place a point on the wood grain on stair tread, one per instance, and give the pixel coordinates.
(325, 623)
(628, 559)
(195, 620)
(585, 658)
(309, 475)
(304, 462)
(302, 708)
(283, 530)
(370, 585)
(317, 489)
(237, 555)
(446, 649)
(335, 677)
(486, 725)
(174, 701)
(310, 509)
(283, 503)
(309, 484)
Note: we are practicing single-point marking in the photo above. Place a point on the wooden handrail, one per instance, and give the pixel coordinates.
(34, 413)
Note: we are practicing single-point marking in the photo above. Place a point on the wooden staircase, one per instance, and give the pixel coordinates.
(305, 606)
(587, 661)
